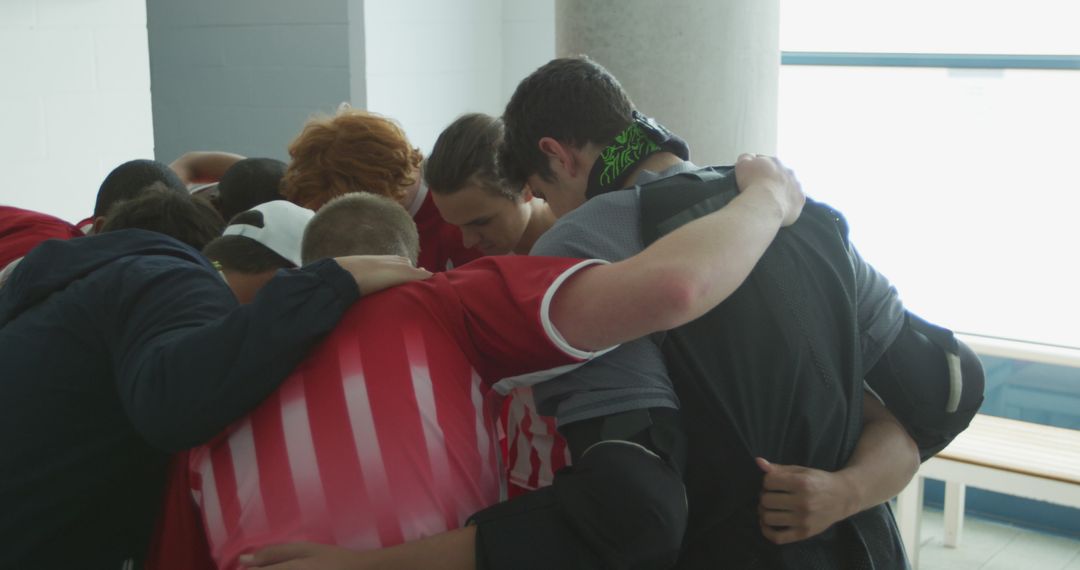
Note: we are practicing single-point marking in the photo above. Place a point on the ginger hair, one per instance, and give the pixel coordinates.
(352, 151)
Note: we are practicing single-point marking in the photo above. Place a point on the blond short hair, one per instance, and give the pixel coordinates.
(360, 224)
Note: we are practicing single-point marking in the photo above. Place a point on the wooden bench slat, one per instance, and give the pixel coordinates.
(1020, 447)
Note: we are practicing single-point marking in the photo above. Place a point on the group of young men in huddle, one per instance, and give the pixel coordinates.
(573, 348)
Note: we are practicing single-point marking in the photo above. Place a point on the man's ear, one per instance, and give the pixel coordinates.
(559, 155)
(526, 193)
(99, 222)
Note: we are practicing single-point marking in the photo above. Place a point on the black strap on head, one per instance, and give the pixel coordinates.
(642, 138)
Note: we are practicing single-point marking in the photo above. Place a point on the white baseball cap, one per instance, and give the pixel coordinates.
(282, 228)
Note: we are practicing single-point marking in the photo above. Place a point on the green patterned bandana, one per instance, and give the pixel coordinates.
(639, 140)
(629, 148)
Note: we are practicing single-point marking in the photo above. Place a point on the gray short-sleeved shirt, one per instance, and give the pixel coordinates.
(633, 376)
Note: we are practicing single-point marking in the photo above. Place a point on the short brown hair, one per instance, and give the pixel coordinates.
(128, 180)
(243, 254)
(360, 224)
(159, 208)
(464, 154)
(352, 151)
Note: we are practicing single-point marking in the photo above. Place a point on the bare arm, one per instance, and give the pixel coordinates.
(203, 166)
(885, 458)
(453, 550)
(687, 272)
(175, 401)
(799, 502)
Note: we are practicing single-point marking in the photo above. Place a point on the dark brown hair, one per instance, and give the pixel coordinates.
(161, 209)
(129, 179)
(243, 254)
(464, 154)
(573, 100)
(248, 183)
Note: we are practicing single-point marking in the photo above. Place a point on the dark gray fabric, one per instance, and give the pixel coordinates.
(634, 376)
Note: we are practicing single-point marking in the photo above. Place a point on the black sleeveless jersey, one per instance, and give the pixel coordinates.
(774, 371)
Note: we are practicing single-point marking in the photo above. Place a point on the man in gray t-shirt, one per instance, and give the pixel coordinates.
(574, 137)
(634, 375)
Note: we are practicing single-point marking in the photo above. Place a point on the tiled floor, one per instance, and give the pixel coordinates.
(994, 546)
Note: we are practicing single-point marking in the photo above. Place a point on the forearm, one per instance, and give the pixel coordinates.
(203, 165)
(713, 255)
(185, 384)
(884, 461)
(453, 550)
(675, 280)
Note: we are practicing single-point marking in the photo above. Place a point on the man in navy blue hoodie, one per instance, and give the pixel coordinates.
(122, 347)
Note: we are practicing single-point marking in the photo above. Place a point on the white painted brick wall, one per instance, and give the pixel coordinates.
(429, 61)
(243, 75)
(528, 40)
(74, 99)
(239, 75)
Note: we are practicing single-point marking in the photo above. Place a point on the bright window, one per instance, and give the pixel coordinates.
(961, 185)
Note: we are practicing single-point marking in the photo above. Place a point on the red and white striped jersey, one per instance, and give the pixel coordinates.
(385, 433)
(535, 450)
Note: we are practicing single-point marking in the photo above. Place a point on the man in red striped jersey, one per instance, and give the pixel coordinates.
(383, 435)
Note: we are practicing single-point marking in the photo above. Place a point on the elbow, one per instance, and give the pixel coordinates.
(974, 382)
(630, 503)
(684, 295)
(157, 432)
(912, 457)
(169, 428)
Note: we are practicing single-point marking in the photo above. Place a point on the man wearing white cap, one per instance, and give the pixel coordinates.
(257, 243)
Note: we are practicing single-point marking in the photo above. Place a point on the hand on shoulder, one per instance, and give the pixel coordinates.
(377, 272)
(766, 173)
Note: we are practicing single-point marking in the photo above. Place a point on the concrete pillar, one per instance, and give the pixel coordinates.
(707, 69)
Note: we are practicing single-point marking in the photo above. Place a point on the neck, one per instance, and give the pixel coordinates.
(246, 285)
(658, 162)
(541, 219)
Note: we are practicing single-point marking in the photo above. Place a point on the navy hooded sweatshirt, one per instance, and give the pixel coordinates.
(114, 351)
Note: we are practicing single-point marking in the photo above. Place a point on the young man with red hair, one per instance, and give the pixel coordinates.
(358, 151)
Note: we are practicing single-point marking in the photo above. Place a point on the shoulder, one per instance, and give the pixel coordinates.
(606, 227)
(145, 284)
(519, 274)
(827, 214)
